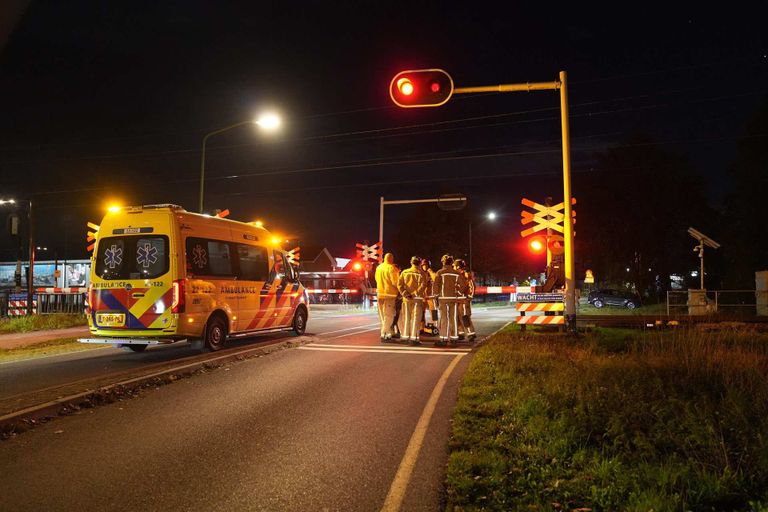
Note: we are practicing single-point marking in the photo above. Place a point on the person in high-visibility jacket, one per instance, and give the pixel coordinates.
(465, 306)
(431, 304)
(412, 285)
(450, 287)
(386, 292)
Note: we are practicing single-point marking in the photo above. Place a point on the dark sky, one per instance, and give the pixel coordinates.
(110, 100)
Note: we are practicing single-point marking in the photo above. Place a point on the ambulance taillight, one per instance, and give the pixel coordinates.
(177, 302)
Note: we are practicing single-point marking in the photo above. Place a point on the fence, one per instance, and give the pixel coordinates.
(729, 303)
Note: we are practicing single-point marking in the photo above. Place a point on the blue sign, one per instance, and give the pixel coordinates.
(540, 297)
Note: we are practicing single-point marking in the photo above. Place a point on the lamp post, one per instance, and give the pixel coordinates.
(268, 122)
(488, 216)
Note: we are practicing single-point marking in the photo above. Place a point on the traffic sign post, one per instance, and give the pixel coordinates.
(444, 202)
(398, 90)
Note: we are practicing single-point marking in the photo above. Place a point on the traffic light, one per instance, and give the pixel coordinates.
(421, 88)
(357, 266)
(537, 245)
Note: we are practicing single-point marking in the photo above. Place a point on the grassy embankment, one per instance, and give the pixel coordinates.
(46, 348)
(41, 322)
(614, 420)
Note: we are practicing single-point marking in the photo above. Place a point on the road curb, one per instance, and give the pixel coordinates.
(22, 420)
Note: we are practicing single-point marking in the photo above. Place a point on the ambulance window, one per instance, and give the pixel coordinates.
(220, 260)
(253, 263)
(208, 258)
(132, 257)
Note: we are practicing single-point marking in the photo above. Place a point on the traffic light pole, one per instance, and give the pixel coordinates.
(561, 85)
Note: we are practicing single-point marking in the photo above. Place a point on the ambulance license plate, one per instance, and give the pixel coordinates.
(110, 319)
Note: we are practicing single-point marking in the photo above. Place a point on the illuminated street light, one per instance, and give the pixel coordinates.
(7, 201)
(269, 122)
(491, 216)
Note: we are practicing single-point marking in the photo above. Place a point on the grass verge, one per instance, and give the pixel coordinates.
(46, 348)
(41, 322)
(615, 420)
(650, 309)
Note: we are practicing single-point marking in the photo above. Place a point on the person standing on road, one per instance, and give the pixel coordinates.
(386, 291)
(431, 303)
(465, 306)
(450, 287)
(412, 285)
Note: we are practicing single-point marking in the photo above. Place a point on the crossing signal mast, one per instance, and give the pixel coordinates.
(434, 87)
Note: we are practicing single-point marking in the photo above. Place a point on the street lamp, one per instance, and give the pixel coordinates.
(268, 121)
(491, 216)
(31, 273)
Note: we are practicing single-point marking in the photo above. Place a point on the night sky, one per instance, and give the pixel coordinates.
(106, 101)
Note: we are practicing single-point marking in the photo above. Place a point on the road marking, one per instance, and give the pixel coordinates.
(391, 347)
(349, 329)
(384, 351)
(353, 333)
(394, 499)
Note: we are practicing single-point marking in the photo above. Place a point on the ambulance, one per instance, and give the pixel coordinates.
(160, 274)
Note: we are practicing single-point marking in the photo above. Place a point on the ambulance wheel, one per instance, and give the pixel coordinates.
(300, 321)
(137, 348)
(215, 333)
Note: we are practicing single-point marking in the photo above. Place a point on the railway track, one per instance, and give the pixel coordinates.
(661, 321)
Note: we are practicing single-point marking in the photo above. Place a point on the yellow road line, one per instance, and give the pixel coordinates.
(394, 499)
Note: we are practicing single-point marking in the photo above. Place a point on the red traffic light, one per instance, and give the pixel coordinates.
(421, 88)
(537, 245)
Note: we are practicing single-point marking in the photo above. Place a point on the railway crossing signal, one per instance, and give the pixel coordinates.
(91, 236)
(369, 253)
(294, 256)
(545, 217)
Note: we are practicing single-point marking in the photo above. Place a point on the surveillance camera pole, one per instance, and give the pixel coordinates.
(700, 248)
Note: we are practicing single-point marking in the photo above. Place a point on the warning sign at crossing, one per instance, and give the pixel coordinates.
(540, 297)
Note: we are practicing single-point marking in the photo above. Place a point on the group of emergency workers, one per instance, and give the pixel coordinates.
(404, 297)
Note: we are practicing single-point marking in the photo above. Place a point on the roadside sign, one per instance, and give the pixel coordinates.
(448, 202)
(540, 297)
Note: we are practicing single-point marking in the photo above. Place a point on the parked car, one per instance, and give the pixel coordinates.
(610, 297)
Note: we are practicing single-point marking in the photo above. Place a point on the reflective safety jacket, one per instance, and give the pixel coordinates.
(413, 283)
(470, 285)
(386, 280)
(449, 284)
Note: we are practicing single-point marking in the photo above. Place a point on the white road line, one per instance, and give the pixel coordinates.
(349, 329)
(390, 347)
(394, 499)
(383, 351)
(353, 333)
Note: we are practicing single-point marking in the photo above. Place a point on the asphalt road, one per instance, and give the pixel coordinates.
(344, 423)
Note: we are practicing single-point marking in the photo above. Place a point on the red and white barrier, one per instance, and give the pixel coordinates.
(69, 289)
(486, 290)
(19, 307)
(541, 320)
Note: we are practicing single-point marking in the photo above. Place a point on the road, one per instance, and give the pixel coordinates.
(344, 423)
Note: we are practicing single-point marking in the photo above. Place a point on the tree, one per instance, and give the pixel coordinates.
(634, 213)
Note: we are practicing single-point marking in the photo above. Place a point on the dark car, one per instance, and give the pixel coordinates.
(610, 297)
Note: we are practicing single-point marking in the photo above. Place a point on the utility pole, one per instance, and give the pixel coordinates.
(31, 274)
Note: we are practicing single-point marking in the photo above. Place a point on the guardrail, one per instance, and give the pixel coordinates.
(737, 303)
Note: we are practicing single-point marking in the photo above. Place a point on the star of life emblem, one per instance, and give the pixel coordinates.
(198, 256)
(113, 257)
(146, 255)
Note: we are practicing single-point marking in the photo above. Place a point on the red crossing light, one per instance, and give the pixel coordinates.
(537, 245)
(357, 266)
(421, 88)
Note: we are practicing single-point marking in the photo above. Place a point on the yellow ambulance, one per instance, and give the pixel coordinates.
(160, 274)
